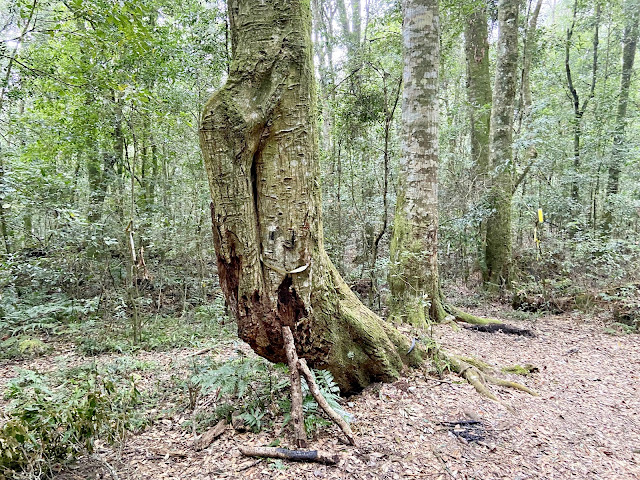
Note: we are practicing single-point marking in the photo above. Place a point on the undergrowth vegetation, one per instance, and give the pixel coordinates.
(51, 419)
(251, 393)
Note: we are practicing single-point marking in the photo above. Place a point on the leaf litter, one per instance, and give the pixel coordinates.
(584, 425)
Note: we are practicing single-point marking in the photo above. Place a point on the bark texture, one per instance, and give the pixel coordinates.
(413, 274)
(259, 144)
(476, 45)
(479, 96)
(498, 249)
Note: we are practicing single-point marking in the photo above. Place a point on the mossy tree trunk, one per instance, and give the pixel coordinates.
(498, 248)
(413, 275)
(258, 138)
(629, 45)
(476, 45)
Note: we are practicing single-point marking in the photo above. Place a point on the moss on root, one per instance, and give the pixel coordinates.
(481, 380)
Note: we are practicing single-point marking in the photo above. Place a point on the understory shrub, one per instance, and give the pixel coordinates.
(257, 392)
(51, 419)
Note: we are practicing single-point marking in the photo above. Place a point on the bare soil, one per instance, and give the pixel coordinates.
(584, 425)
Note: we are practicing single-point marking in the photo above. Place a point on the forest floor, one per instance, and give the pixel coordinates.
(584, 425)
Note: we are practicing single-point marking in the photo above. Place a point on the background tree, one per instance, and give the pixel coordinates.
(498, 250)
(476, 45)
(580, 108)
(413, 276)
(618, 150)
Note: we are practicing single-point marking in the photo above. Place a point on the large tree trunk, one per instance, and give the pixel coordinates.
(259, 144)
(413, 275)
(479, 96)
(629, 45)
(498, 250)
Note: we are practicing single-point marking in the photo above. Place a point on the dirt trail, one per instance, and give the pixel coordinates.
(584, 425)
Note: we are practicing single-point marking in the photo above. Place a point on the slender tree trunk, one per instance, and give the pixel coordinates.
(259, 144)
(4, 224)
(629, 45)
(413, 274)
(5, 229)
(391, 100)
(479, 97)
(525, 101)
(525, 91)
(578, 109)
(498, 250)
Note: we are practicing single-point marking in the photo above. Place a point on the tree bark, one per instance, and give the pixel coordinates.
(479, 97)
(478, 88)
(498, 250)
(258, 137)
(413, 275)
(629, 45)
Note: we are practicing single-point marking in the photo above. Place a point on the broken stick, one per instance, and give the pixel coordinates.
(297, 455)
(296, 389)
(210, 435)
(322, 402)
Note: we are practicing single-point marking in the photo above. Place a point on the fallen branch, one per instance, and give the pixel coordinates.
(295, 455)
(297, 417)
(500, 328)
(322, 402)
(461, 316)
(210, 435)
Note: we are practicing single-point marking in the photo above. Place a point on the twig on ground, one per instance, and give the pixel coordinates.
(202, 352)
(297, 417)
(444, 464)
(315, 391)
(107, 465)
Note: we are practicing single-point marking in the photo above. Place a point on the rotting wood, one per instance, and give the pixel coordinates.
(295, 455)
(322, 402)
(500, 328)
(210, 435)
(297, 417)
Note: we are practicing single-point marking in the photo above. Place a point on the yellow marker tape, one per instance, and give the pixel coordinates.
(540, 216)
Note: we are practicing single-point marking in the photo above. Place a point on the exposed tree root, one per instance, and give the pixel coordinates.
(508, 383)
(474, 374)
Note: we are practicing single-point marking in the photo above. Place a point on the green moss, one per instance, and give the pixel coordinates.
(415, 289)
(479, 364)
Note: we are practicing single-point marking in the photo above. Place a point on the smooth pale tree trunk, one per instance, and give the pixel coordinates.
(258, 138)
(525, 100)
(498, 249)
(479, 97)
(525, 92)
(413, 275)
(629, 45)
